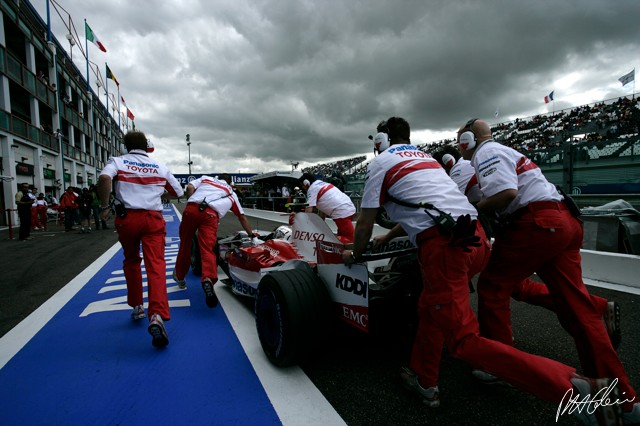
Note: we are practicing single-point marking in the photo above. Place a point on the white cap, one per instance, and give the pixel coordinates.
(150, 146)
(448, 160)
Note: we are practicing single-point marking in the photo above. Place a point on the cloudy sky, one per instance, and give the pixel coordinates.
(261, 83)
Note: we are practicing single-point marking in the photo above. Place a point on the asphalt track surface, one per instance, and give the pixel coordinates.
(357, 374)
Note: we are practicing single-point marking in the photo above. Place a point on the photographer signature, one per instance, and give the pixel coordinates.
(579, 403)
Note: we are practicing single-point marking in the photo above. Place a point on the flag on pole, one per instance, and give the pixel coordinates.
(111, 76)
(627, 78)
(92, 37)
(122, 99)
(497, 113)
(130, 114)
(549, 97)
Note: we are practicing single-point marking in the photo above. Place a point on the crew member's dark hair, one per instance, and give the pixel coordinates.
(135, 140)
(225, 177)
(398, 130)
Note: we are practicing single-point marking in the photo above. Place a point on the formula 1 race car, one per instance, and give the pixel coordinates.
(301, 286)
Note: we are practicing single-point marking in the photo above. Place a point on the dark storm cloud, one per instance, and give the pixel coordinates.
(263, 83)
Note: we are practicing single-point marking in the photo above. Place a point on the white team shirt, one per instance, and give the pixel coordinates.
(499, 167)
(218, 194)
(464, 175)
(330, 200)
(409, 174)
(140, 181)
(42, 202)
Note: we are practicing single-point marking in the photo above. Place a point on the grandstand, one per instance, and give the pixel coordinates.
(590, 150)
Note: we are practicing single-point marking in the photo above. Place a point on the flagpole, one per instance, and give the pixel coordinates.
(106, 85)
(119, 126)
(86, 47)
(48, 23)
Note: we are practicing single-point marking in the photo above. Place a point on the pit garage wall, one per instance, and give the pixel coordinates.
(614, 268)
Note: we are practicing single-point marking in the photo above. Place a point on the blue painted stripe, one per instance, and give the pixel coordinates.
(90, 364)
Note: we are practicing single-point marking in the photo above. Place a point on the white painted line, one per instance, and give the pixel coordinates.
(293, 395)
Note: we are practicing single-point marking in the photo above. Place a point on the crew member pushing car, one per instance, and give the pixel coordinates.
(332, 202)
(452, 247)
(209, 199)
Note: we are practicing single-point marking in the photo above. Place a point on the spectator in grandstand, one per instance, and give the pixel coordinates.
(208, 200)
(24, 202)
(541, 234)
(140, 182)
(332, 202)
(69, 204)
(428, 206)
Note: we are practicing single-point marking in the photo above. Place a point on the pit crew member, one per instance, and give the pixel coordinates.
(209, 199)
(423, 200)
(140, 182)
(540, 233)
(332, 202)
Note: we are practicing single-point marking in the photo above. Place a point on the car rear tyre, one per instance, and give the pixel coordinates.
(293, 315)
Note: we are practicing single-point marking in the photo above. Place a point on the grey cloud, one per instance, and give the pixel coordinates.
(282, 80)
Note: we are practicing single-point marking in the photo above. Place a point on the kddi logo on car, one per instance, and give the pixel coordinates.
(351, 285)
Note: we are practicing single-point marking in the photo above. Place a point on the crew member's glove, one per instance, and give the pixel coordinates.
(256, 241)
(464, 234)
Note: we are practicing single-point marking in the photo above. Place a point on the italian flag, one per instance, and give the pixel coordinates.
(91, 36)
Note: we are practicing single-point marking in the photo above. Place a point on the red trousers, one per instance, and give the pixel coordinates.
(345, 229)
(445, 317)
(42, 216)
(35, 218)
(536, 293)
(206, 223)
(548, 242)
(146, 227)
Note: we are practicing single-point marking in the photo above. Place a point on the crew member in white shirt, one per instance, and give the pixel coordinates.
(418, 195)
(209, 199)
(331, 202)
(140, 182)
(541, 234)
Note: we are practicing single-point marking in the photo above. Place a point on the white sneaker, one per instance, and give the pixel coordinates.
(430, 396)
(182, 284)
(633, 416)
(606, 414)
(138, 313)
(159, 337)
